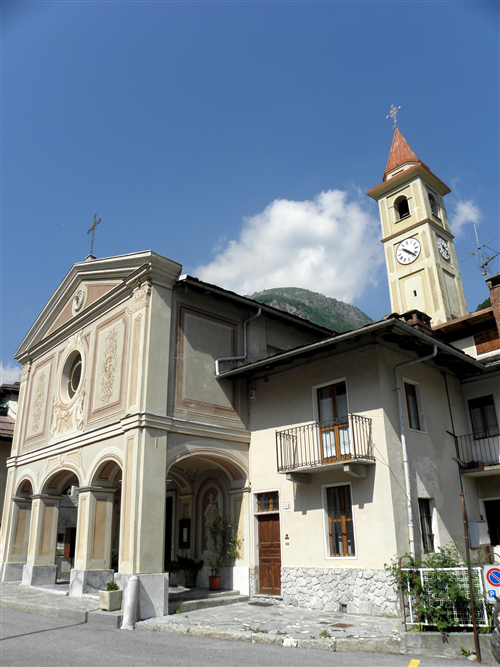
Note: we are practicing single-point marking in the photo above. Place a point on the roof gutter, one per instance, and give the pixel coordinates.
(245, 350)
(369, 328)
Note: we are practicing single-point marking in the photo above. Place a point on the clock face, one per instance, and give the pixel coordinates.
(444, 251)
(408, 251)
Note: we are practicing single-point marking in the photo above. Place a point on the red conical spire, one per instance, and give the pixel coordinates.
(400, 153)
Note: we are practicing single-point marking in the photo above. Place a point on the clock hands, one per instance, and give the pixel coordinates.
(409, 252)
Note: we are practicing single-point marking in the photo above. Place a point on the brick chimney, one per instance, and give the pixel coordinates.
(494, 287)
(418, 320)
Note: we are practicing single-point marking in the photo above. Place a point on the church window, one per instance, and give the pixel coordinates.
(71, 376)
(414, 406)
(434, 205)
(483, 417)
(402, 208)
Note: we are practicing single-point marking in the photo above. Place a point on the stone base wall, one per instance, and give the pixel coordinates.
(361, 591)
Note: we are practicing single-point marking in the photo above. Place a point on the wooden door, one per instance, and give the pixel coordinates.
(269, 554)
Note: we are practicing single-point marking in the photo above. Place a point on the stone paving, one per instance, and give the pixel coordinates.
(261, 617)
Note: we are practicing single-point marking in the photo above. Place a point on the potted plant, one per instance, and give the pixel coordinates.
(188, 567)
(222, 550)
(110, 598)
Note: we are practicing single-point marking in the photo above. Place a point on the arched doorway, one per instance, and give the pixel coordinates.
(201, 487)
(64, 486)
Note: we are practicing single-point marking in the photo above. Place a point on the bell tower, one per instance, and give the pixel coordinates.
(420, 256)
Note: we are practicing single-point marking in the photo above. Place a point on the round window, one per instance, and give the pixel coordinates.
(75, 375)
(72, 375)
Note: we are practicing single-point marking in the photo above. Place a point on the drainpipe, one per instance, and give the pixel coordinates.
(406, 467)
(245, 352)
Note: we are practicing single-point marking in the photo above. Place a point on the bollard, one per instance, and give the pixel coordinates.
(131, 603)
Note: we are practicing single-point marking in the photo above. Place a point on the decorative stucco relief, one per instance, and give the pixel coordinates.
(66, 419)
(140, 297)
(109, 365)
(57, 462)
(38, 402)
(25, 372)
(106, 390)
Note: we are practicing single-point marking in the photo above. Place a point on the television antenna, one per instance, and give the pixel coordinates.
(483, 259)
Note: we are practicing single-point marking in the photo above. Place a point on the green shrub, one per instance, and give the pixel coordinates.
(112, 586)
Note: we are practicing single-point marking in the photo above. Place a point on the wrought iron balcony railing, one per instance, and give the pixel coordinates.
(478, 450)
(323, 443)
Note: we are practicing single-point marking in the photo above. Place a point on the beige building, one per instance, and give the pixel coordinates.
(156, 401)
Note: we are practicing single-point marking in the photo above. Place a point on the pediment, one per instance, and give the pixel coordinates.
(85, 294)
(92, 285)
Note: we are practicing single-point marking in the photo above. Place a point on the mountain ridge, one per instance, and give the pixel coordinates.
(315, 307)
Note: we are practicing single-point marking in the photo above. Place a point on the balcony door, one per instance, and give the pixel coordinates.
(334, 422)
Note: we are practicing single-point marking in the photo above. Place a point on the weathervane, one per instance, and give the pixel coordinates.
(392, 114)
(92, 229)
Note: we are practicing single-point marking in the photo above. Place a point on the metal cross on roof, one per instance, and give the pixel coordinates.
(92, 229)
(392, 114)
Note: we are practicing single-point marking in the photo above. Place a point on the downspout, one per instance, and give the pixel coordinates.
(406, 467)
(245, 351)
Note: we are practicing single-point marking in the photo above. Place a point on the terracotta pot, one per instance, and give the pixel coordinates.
(214, 583)
(110, 600)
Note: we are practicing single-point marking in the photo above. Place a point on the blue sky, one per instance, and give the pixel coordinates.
(238, 138)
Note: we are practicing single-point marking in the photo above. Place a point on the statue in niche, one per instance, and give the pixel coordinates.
(211, 514)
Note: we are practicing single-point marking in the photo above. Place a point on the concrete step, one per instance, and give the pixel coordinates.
(216, 601)
(109, 619)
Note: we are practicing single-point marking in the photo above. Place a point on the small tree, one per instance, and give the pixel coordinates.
(223, 547)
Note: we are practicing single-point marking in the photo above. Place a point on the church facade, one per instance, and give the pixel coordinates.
(152, 402)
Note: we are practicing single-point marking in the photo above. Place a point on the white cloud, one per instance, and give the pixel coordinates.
(464, 212)
(9, 373)
(329, 245)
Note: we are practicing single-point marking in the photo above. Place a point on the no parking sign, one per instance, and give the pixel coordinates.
(491, 574)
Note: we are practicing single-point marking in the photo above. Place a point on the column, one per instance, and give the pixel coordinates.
(16, 550)
(142, 530)
(92, 567)
(40, 567)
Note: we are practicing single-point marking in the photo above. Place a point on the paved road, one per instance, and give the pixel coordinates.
(30, 640)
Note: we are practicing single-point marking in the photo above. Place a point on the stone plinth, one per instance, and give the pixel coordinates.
(88, 582)
(153, 593)
(353, 590)
(12, 571)
(39, 575)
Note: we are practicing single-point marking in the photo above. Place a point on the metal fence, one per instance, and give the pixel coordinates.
(461, 616)
(478, 450)
(321, 443)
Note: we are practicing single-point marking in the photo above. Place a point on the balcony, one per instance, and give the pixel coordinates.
(328, 444)
(478, 450)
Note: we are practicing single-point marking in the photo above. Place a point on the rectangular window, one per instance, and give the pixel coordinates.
(414, 407)
(340, 523)
(426, 524)
(268, 502)
(334, 422)
(483, 417)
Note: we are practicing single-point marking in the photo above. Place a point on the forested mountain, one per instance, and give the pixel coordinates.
(314, 307)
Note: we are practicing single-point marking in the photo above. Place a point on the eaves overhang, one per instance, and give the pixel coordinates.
(391, 330)
(419, 169)
(221, 293)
